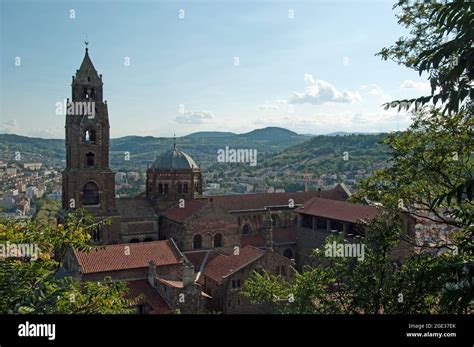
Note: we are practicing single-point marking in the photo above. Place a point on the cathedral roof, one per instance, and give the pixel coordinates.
(174, 160)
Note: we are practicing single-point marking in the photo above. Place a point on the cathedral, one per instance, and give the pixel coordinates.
(172, 205)
(181, 242)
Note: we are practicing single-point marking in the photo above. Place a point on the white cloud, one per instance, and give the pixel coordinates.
(409, 84)
(9, 127)
(194, 117)
(319, 92)
(375, 90)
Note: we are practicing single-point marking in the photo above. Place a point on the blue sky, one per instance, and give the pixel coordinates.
(308, 66)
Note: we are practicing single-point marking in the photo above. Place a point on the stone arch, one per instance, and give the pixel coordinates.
(246, 228)
(90, 194)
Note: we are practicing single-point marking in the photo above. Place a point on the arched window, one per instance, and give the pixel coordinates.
(90, 159)
(180, 188)
(246, 229)
(185, 188)
(197, 241)
(288, 253)
(217, 240)
(160, 188)
(90, 136)
(90, 194)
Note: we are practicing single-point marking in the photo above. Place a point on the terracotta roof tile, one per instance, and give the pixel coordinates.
(221, 266)
(149, 296)
(114, 257)
(338, 210)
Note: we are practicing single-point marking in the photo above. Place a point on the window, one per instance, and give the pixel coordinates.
(160, 188)
(185, 188)
(90, 194)
(90, 159)
(246, 229)
(166, 188)
(90, 136)
(218, 240)
(96, 235)
(197, 241)
(180, 188)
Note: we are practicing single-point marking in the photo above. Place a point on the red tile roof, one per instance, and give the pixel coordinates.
(221, 266)
(137, 255)
(149, 296)
(261, 200)
(338, 210)
(255, 240)
(182, 213)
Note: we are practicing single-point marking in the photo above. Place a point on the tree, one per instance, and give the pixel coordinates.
(31, 284)
(372, 284)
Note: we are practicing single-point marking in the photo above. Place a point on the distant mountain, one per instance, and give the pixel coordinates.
(202, 146)
(210, 134)
(270, 133)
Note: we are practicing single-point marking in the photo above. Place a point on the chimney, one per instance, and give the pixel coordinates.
(151, 273)
(188, 274)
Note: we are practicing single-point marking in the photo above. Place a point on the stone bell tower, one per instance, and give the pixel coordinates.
(88, 182)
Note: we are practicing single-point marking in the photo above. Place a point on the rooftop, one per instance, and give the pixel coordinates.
(119, 257)
(338, 210)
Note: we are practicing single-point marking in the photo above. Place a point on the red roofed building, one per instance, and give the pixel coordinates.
(222, 276)
(156, 270)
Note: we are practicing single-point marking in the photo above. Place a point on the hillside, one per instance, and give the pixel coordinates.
(144, 149)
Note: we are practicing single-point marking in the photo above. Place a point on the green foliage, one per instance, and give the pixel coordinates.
(372, 285)
(29, 285)
(441, 45)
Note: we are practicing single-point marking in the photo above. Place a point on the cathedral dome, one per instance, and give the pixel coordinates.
(174, 160)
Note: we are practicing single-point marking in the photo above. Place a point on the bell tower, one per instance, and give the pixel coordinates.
(88, 182)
